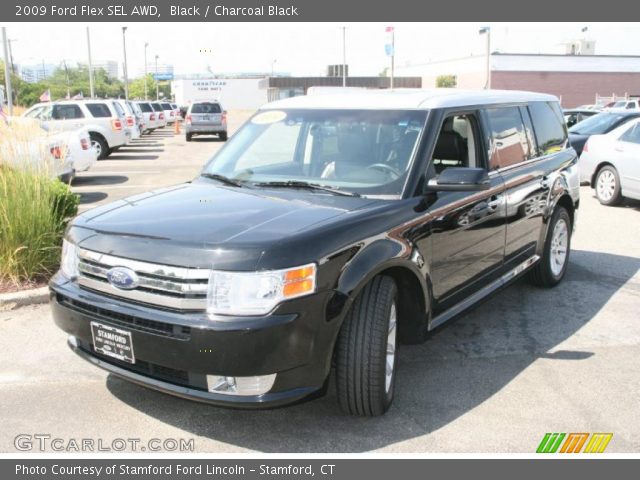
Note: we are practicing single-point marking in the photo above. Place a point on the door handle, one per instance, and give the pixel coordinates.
(494, 202)
(619, 149)
(545, 182)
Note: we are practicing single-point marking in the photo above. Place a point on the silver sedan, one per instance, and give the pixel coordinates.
(610, 163)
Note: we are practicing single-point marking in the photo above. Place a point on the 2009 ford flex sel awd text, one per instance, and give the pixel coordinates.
(326, 232)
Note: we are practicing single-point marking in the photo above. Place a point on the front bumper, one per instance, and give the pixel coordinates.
(176, 351)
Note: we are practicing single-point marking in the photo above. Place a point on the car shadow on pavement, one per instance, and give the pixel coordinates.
(91, 197)
(88, 180)
(461, 365)
(135, 156)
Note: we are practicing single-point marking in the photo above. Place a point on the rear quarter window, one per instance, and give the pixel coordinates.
(119, 109)
(145, 107)
(549, 127)
(99, 110)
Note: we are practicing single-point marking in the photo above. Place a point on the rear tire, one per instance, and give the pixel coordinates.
(100, 145)
(607, 186)
(550, 269)
(188, 137)
(223, 136)
(366, 356)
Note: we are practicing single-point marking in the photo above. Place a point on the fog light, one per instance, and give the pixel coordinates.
(240, 385)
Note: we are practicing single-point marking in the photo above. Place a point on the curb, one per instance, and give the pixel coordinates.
(13, 300)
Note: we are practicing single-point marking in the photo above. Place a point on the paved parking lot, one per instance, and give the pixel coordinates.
(526, 362)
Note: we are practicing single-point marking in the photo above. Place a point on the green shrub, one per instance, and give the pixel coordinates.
(34, 211)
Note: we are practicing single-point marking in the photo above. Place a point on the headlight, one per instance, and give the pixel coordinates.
(69, 261)
(257, 293)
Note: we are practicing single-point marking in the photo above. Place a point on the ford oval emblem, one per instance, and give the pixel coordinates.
(123, 278)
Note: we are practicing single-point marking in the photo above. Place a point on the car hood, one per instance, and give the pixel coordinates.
(204, 216)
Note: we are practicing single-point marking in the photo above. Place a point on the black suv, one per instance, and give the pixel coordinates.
(327, 231)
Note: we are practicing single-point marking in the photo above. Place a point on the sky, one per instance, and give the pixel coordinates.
(299, 48)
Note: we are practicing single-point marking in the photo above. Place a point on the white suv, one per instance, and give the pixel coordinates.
(102, 118)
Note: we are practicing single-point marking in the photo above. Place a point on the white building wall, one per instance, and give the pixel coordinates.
(232, 93)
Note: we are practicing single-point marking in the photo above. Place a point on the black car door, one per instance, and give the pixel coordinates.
(467, 228)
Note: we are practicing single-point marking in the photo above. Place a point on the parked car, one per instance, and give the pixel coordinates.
(151, 121)
(629, 104)
(574, 115)
(161, 117)
(610, 163)
(129, 119)
(139, 117)
(62, 153)
(101, 118)
(329, 230)
(169, 113)
(598, 124)
(206, 118)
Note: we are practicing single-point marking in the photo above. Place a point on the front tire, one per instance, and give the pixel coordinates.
(366, 356)
(550, 269)
(223, 136)
(608, 186)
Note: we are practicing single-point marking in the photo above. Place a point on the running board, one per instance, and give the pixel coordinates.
(480, 294)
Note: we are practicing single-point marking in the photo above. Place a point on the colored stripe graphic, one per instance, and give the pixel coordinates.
(574, 443)
(550, 443)
(598, 443)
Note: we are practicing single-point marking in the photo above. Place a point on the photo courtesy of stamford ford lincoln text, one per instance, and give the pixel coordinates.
(247, 239)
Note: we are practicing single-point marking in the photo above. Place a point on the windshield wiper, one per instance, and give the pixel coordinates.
(222, 178)
(309, 186)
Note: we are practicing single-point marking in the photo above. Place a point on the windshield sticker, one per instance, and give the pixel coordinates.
(268, 117)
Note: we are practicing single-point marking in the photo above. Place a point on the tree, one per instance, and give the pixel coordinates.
(446, 81)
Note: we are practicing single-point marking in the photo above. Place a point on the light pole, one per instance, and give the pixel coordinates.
(146, 44)
(487, 31)
(91, 90)
(7, 74)
(273, 63)
(13, 67)
(126, 79)
(157, 83)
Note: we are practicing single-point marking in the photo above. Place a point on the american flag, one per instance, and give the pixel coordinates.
(388, 29)
(46, 96)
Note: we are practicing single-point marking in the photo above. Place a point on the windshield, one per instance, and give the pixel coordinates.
(360, 151)
(597, 124)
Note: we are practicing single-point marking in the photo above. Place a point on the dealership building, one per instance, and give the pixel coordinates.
(575, 78)
(250, 91)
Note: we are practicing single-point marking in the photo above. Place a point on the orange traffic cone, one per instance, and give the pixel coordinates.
(176, 125)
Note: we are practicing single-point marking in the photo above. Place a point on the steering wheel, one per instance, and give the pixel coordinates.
(385, 168)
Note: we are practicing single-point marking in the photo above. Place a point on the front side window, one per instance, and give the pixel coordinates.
(510, 141)
(456, 145)
(368, 152)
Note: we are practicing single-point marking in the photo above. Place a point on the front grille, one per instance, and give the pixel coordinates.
(176, 288)
(130, 322)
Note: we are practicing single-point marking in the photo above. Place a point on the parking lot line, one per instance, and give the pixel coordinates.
(105, 187)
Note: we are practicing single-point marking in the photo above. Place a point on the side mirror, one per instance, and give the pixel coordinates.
(456, 179)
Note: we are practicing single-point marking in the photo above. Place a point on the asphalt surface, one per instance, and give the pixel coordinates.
(526, 362)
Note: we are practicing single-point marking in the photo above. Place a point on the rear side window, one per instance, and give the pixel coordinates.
(99, 110)
(206, 108)
(632, 135)
(145, 107)
(549, 127)
(510, 142)
(119, 109)
(66, 112)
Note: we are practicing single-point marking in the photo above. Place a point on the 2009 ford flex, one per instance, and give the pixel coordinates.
(326, 232)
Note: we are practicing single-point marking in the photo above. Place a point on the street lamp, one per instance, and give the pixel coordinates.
(91, 89)
(157, 83)
(344, 56)
(146, 44)
(273, 63)
(10, 42)
(126, 79)
(7, 75)
(487, 31)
